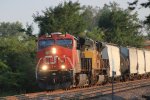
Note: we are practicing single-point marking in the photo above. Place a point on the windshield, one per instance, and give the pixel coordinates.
(45, 43)
(64, 42)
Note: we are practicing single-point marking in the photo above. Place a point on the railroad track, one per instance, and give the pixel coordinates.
(81, 93)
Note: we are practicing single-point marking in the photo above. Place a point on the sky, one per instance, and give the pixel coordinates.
(23, 10)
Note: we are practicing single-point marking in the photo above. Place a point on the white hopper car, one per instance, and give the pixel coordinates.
(126, 63)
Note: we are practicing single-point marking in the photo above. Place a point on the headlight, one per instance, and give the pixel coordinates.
(63, 67)
(53, 50)
(44, 67)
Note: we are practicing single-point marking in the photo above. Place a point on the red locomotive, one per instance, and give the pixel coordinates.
(57, 56)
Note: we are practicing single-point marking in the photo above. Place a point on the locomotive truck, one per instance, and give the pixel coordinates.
(64, 61)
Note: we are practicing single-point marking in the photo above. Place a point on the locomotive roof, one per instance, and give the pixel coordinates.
(56, 34)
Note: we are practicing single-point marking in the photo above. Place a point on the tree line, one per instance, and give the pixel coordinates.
(111, 24)
(17, 59)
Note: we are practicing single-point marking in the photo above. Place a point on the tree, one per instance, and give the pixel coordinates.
(29, 29)
(96, 34)
(17, 64)
(146, 4)
(120, 26)
(147, 30)
(133, 5)
(10, 29)
(17, 59)
(91, 16)
(66, 17)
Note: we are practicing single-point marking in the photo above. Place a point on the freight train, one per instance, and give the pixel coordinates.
(64, 61)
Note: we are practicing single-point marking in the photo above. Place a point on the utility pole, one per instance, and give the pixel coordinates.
(113, 74)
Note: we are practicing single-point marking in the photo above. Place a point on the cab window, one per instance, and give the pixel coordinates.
(64, 42)
(45, 43)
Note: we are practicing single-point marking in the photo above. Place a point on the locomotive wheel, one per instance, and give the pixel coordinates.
(66, 85)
